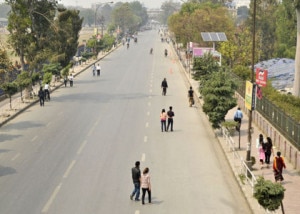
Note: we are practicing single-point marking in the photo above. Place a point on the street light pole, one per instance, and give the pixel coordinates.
(248, 157)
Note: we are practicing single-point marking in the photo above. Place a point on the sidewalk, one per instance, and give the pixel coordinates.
(236, 156)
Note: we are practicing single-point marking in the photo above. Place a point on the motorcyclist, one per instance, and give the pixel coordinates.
(151, 50)
(166, 52)
(191, 96)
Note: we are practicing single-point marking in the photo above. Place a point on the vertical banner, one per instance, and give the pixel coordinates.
(261, 77)
(95, 31)
(250, 93)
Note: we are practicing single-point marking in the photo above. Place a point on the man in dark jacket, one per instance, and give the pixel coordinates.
(41, 95)
(136, 175)
(164, 86)
(170, 114)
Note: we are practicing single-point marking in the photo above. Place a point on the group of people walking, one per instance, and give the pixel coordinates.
(140, 180)
(167, 117)
(96, 69)
(265, 150)
(44, 94)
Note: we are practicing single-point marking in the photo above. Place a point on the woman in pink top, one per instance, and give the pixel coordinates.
(261, 154)
(145, 185)
(163, 119)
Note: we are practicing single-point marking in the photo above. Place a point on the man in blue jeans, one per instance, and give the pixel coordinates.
(136, 175)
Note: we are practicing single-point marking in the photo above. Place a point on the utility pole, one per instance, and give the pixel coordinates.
(248, 157)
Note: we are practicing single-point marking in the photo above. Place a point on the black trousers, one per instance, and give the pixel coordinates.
(144, 193)
(42, 100)
(170, 123)
(267, 157)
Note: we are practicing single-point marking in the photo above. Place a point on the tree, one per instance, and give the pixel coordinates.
(296, 87)
(65, 44)
(195, 18)
(9, 88)
(23, 80)
(217, 92)
(268, 194)
(30, 26)
(125, 18)
(204, 66)
(168, 8)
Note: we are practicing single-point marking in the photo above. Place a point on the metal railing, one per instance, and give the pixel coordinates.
(242, 166)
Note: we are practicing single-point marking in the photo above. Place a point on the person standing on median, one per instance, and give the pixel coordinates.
(136, 178)
(170, 114)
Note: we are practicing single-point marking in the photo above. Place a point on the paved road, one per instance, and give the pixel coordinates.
(74, 155)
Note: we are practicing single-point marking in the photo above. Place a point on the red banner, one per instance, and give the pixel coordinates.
(261, 77)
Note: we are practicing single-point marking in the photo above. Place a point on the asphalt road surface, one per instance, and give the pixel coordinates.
(75, 154)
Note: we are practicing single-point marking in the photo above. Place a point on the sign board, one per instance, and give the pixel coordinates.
(95, 31)
(261, 77)
(198, 52)
(250, 94)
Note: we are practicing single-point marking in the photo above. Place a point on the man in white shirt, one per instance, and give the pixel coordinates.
(98, 68)
(71, 78)
(47, 91)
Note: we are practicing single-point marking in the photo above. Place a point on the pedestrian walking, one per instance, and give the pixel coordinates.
(191, 96)
(65, 81)
(268, 150)
(278, 165)
(136, 178)
(163, 120)
(238, 116)
(71, 79)
(98, 68)
(170, 115)
(41, 95)
(164, 86)
(47, 91)
(261, 150)
(146, 185)
(94, 69)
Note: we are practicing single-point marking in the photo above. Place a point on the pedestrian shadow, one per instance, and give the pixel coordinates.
(153, 201)
(7, 137)
(291, 172)
(23, 125)
(4, 150)
(6, 171)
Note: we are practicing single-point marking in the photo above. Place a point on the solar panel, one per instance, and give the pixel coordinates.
(213, 36)
(206, 37)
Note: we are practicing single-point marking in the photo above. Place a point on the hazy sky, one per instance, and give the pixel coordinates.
(88, 3)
